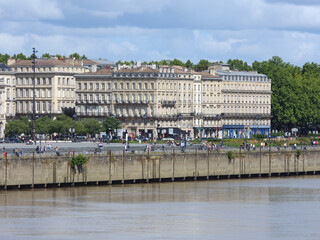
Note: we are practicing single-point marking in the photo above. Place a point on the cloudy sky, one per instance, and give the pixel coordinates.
(164, 29)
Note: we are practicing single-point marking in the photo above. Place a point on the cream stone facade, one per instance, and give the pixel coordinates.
(153, 103)
(54, 86)
(245, 101)
(150, 101)
(7, 96)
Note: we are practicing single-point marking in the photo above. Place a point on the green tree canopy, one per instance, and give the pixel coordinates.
(18, 127)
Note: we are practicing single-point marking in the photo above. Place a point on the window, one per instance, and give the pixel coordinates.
(146, 86)
(44, 107)
(43, 93)
(103, 86)
(90, 86)
(49, 106)
(50, 81)
(85, 86)
(49, 93)
(8, 93)
(79, 85)
(97, 86)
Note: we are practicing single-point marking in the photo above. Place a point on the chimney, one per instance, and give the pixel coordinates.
(11, 61)
(108, 66)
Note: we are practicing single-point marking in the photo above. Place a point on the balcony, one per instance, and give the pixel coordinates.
(166, 103)
(247, 115)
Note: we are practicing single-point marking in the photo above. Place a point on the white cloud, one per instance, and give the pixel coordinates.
(29, 10)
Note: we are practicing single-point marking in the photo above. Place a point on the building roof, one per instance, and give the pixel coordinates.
(103, 62)
(4, 68)
(137, 70)
(89, 62)
(239, 73)
(207, 75)
(40, 62)
(102, 72)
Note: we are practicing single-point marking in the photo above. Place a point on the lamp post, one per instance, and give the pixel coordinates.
(144, 124)
(1, 128)
(74, 130)
(179, 119)
(34, 94)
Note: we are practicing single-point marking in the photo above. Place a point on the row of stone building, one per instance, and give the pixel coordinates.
(150, 101)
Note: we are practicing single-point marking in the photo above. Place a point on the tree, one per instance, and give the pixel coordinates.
(74, 55)
(4, 58)
(92, 126)
(20, 56)
(177, 62)
(236, 64)
(18, 127)
(110, 124)
(62, 124)
(84, 57)
(202, 65)
(44, 125)
(164, 62)
(189, 64)
(46, 55)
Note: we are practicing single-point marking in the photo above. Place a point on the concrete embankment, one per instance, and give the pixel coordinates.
(52, 171)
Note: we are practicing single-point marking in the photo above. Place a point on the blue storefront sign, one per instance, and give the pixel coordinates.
(233, 131)
(241, 131)
(260, 129)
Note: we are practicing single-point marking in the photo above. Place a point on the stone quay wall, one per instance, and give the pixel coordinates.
(46, 171)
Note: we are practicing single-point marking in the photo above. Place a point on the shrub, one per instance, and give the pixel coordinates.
(230, 155)
(298, 153)
(78, 161)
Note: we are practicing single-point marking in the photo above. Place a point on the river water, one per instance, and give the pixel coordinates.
(275, 208)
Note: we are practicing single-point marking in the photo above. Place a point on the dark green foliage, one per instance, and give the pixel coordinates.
(78, 160)
(298, 153)
(202, 65)
(110, 124)
(18, 126)
(189, 64)
(230, 155)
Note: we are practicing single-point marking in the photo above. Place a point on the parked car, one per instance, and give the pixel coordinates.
(15, 140)
(82, 138)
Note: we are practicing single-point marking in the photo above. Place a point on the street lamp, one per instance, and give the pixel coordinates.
(74, 131)
(144, 123)
(34, 94)
(179, 120)
(1, 128)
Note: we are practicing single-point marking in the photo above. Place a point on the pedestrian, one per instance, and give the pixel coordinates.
(21, 151)
(57, 151)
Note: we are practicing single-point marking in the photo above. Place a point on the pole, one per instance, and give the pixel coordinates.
(110, 179)
(34, 95)
(6, 173)
(240, 162)
(260, 163)
(32, 186)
